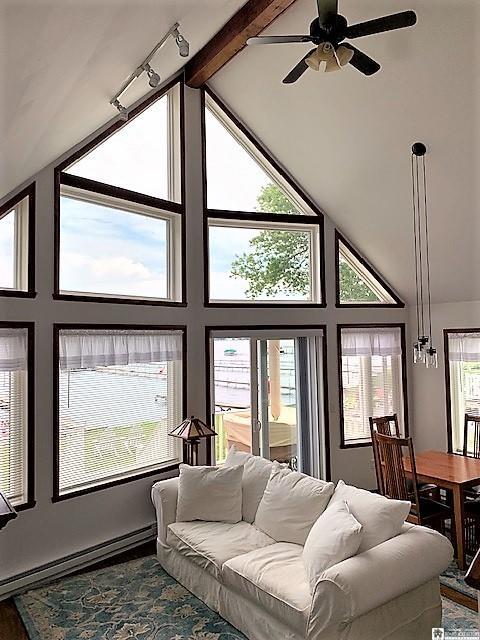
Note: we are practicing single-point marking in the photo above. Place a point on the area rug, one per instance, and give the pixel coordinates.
(138, 600)
(454, 578)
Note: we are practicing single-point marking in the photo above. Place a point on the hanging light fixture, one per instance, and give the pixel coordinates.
(423, 350)
(154, 79)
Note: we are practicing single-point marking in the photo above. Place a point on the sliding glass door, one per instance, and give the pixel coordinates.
(267, 396)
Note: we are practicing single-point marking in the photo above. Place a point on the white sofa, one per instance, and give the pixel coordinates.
(259, 585)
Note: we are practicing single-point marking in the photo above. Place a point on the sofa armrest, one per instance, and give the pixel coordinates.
(164, 498)
(373, 578)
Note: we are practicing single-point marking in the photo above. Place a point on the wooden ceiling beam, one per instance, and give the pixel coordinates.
(249, 21)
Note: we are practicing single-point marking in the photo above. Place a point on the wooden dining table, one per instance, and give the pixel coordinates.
(456, 473)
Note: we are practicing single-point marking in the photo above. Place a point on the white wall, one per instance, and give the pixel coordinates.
(51, 531)
(429, 415)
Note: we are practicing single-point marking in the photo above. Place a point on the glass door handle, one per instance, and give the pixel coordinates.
(257, 426)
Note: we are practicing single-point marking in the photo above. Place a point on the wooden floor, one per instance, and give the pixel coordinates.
(11, 625)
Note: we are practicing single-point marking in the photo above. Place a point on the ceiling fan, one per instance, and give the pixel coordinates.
(328, 31)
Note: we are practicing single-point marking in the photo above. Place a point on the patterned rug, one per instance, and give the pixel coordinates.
(138, 600)
(454, 578)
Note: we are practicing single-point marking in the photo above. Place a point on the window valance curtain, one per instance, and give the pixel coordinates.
(13, 350)
(371, 342)
(87, 349)
(464, 347)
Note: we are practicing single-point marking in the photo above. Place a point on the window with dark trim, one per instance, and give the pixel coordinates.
(120, 210)
(462, 371)
(357, 283)
(371, 362)
(119, 393)
(263, 236)
(17, 412)
(17, 245)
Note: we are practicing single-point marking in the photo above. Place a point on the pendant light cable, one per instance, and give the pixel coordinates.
(414, 202)
(427, 243)
(420, 248)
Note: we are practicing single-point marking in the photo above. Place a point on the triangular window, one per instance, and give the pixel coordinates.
(141, 155)
(239, 175)
(357, 282)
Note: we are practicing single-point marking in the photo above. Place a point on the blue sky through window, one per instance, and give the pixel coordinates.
(110, 251)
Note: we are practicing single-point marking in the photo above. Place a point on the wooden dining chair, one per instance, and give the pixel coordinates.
(471, 449)
(396, 483)
(389, 426)
(471, 424)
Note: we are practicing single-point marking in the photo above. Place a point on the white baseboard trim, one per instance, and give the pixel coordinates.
(64, 566)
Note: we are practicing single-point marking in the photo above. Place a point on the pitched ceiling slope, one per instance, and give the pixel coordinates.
(62, 60)
(347, 138)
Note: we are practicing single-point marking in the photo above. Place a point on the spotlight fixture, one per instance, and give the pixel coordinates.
(182, 44)
(121, 109)
(153, 77)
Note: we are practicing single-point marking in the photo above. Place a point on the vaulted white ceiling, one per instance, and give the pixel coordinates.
(62, 60)
(347, 138)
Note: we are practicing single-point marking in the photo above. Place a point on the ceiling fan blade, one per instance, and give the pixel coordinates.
(327, 11)
(380, 25)
(278, 39)
(362, 62)
(298, 70)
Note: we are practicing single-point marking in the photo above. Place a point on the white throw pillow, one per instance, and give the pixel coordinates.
(381, 517)
(212, 494)
(256, 472)
(334, 537)
(291, 504)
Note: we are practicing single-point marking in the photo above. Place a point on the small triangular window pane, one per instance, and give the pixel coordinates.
(357, 283)
(239, 177)
(135, 157)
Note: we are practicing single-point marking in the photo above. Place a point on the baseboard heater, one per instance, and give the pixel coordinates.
(75, 561)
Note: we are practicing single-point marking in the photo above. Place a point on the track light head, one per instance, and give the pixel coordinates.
(153, 77)
(121, 110)
(182, 44)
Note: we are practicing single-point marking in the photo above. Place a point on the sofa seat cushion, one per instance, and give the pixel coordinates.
(211, 544)
(273, 577)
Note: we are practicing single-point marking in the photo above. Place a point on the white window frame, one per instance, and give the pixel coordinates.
(20, 382)
(318, 399)
(173, 242)
(21, 222)
(455, 387)
(372, 283)
(315, 297)
(257, 156)
(397, 366)
(175, 382)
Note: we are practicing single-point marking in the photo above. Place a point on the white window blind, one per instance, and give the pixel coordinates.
(371, 379)
(13, 414)
(464, 364)
(120, 394)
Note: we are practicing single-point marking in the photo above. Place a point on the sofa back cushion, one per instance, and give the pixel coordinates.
(334, 537)
(382, 518)
(291, 504)
(256, 472)
(212, 494)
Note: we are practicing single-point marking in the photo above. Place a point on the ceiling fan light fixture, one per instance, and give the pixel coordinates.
(325, 52)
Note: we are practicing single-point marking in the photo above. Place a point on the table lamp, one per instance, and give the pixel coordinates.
(191, 431)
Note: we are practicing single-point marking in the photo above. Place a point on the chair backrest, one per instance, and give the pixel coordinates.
(395, 482)
(388, 426)
(472, 425)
